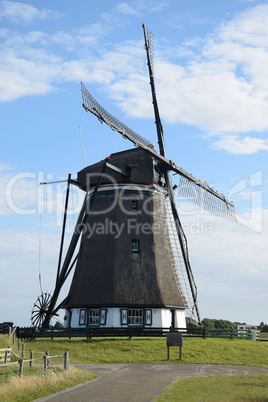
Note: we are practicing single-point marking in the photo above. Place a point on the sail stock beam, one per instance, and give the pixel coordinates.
(149, 47)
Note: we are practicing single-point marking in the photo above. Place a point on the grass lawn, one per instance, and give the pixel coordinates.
(34, 384)
(211, 389)
(29, 388)
(148, 350)
(153, 350)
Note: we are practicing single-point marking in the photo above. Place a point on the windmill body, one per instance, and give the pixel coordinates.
(133, 264)
(124, 274)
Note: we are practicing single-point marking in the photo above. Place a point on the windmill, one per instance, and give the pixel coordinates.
(156, 275)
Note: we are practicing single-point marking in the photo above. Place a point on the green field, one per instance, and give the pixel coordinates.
(153, 350)
(223, 389)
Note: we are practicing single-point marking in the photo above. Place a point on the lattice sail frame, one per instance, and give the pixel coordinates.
(149, 37)
(166, 219)
(206, 200)
(90, 104)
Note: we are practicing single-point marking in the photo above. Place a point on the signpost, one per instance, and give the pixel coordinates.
(174, 339)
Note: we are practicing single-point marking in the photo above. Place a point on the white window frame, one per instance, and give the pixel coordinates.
(135, 316)
(94, 316)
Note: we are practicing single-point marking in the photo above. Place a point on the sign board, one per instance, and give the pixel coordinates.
(174, 339)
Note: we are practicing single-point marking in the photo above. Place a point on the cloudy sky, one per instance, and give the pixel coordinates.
(211, 75)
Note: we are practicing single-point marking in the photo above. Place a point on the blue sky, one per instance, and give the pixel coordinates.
(211, 77)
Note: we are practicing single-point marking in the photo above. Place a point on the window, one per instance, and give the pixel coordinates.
(93, 316)
(135, 316)
(135, 246)
(134, 205)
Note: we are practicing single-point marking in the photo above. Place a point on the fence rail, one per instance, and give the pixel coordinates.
(5, 355)
(46, 360)
(132, 331)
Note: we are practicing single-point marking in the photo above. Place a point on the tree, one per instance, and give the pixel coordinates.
(213, 323)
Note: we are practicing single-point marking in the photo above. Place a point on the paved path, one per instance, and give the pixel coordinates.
(139, 382)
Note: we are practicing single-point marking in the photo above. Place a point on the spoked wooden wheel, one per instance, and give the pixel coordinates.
(39, 309)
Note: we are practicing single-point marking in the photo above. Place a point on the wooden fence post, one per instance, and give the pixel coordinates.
(47, 354)
(130, 332)
(66, 360)
(21, 367)
(22, 350)
(31, 358)
(6, 352)
(45, 363)
(204, 332)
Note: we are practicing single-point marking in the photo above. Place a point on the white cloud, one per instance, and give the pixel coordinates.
(139, 7)
(64, 39)
(21, 199)
(24, 13)
(23, 77)
(222, 88)
(228, 264)
(21, 194)
(158, 7)
(241, 146)
(126, 9)
(20, 270)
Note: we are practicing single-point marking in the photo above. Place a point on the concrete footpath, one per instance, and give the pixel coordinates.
(139, 382)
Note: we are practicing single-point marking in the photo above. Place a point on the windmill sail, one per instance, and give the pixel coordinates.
(91, 105)
(181, 249)
(149, 46)
(189, 187)
(206, 199)
(176, 258)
